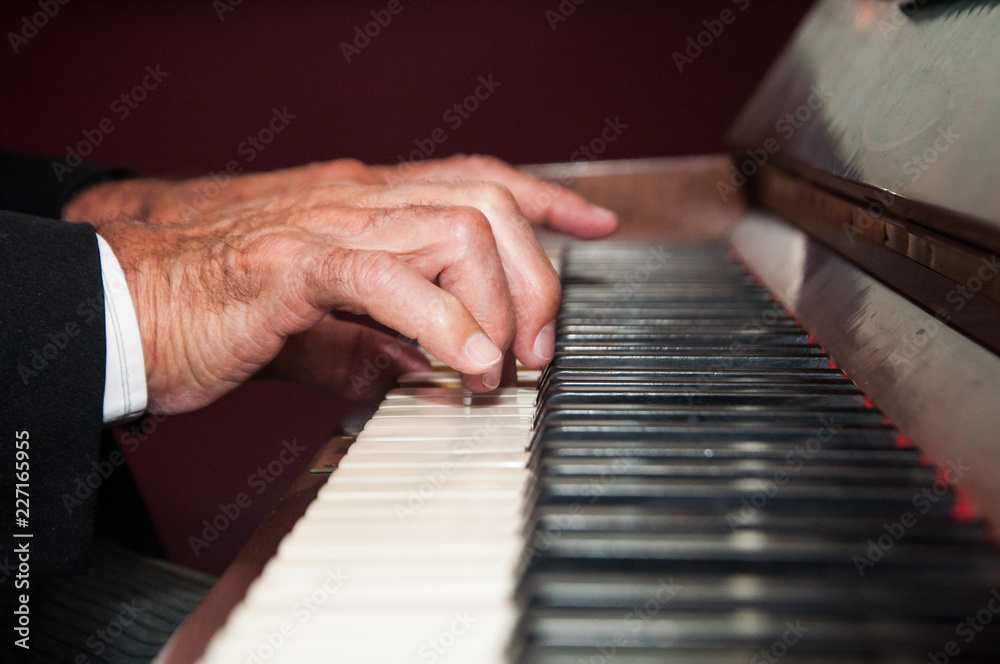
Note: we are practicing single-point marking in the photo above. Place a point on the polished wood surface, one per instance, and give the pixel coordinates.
(674, 199)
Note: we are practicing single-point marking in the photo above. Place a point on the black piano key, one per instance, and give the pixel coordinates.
(879, 436)
(890, 592)
(822, 400)
(706, 320)
(748, 631)
(548, 522)
(728, 495)
(680, 394)
(624, 362)
(753, 417)
(666, 350)
(858, 474)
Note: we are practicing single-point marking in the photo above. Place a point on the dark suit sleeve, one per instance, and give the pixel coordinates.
(52, 363)
(41, 186)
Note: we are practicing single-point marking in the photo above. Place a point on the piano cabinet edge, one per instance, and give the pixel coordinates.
(189, 642)
(669, 199)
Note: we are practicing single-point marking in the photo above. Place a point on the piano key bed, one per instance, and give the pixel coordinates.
(693, 481)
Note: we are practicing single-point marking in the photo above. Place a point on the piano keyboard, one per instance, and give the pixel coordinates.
(700, 485)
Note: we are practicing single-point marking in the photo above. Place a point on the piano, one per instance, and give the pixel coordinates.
(770, 432)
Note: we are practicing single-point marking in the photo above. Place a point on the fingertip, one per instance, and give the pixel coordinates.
(594, 221)
(545, 343)
(478, 382)
(580, 218)
(483, 352)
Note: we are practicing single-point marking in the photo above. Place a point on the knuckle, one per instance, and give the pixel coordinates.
(494, 194)
(484, 162)
(374, 271)
(352, 169)
(548, 290)
(469, 227)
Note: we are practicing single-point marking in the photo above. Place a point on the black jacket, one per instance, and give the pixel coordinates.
(52, 363)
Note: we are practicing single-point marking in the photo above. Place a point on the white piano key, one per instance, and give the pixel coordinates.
(423, 519)
(375, 445)
(371, 510)
(310, 632)
(310, 575)
(473, 634)
(491, 549)
(500, 413)
(366, 473)
(437, 460)
(423, 379)
(464, 423)
(406, 529)
(519, 394)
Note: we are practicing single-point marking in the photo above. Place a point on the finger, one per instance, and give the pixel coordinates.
(542, 202)
(559, 208)
(534, 285)
(395, 294)
(451, 246)
(353, 360)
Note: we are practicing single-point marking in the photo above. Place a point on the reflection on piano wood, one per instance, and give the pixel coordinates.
(697, 480)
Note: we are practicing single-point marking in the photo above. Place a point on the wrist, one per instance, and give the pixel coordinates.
(115, 200)
(134, 247)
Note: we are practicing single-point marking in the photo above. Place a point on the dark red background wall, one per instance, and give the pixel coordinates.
(226, 74)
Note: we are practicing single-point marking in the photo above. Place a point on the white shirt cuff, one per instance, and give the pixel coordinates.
(125, 374)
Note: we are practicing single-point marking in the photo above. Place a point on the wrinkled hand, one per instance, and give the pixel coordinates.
(453, 265)
(166, 202)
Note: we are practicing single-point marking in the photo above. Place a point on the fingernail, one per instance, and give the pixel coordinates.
(602, 212)
(482, 351)
(492, 377)
(545, 342)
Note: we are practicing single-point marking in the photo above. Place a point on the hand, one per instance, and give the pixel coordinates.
(220, 297)
(165, 202)
(541, 202)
